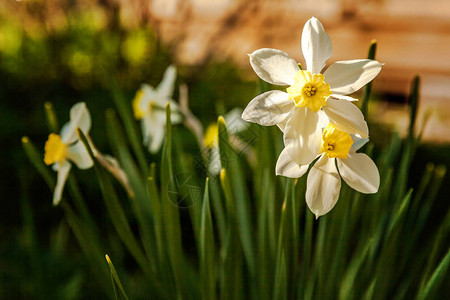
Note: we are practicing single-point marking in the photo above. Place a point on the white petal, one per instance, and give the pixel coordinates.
(346, 77)
(347, 117)
(303, 136)
(274, 66)
(165, 88)
(153, 130)
(316, 46)
(79, 118)
(234, 121)
(360, 172)
(63, 173)
(80, 156)
(175, 114)
(357, 143)
(323, 186)
(288, 168)
(342, 97)
(269, 108)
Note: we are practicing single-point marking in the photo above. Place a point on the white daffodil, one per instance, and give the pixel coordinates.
(235, 124)
(61, 150)
(309, 93)
(149, 107)
(337, 148)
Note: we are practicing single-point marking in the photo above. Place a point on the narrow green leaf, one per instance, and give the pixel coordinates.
(139, 200)
(38, 162)
(170, 214)
(206, 250)
(413, 103)
(231, 267)
(230, 161)
(348, 281)
(368, 88)
(52, 120)
(115, 276)
(119, 219)
(124, 109)
(86, 236)
(437, 277)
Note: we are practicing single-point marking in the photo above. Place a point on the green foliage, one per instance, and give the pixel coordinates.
(252, 236)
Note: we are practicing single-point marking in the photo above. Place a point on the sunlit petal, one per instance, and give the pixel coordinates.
(360, 172)
(347, 117)
(316, 45)
(346, 77)
(274, 66)
(323, 186)
(268, 109)
(303, 135)
(79, 118)
(288, 168)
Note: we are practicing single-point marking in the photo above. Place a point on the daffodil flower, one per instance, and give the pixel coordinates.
(235, 124)
(62, 149)
(337, 148)
(309, 93)
(149, 107)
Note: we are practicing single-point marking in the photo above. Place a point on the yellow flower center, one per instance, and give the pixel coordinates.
(336, 143)
(55, 149)
(309, 90)
(211, 135)
(137, 107)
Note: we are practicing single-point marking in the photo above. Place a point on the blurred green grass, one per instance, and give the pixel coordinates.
(75, 63)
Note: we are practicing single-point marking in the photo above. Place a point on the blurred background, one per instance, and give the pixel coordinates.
(70, 51)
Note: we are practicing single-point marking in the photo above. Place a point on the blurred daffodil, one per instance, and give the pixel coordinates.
(62, 149)
(235, 125)
(337, 148)
(309, 93)
(149, 107)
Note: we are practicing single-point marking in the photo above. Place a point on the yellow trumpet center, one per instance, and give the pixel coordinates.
(336, 143)
(137, 105)
(309, 90)
(211, 135)
(55, 149)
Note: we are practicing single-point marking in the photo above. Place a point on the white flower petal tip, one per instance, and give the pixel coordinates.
(167, 84)
(316, 45)
(323, 186)
(268, 109)
(360, 173)
(357, 143)
(347, 117)
(274, 66)
(346, 77)
(288, 168)
(63, 173)
(79, 118)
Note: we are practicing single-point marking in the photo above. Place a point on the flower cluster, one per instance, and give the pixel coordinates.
(320, 124)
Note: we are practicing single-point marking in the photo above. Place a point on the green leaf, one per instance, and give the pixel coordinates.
(124, 109)
(118, 217)
(230, 161)
(170, 215)
(368, 88)
(437, 277)
(52, 120)
(115, 278)
(206, 250)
